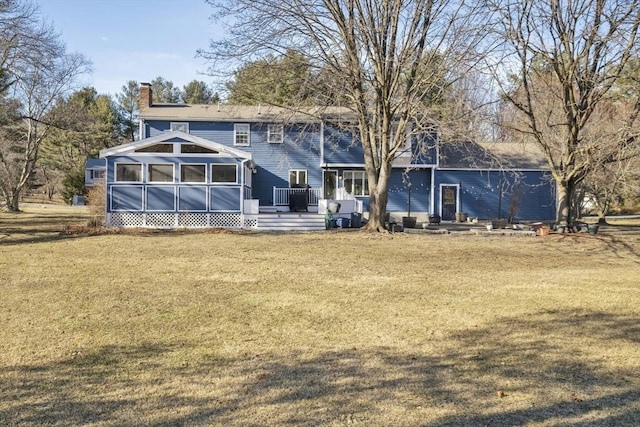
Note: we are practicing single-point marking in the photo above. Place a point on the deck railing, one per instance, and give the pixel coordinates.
(281, 195)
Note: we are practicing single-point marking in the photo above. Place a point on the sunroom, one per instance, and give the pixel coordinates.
(176, 180)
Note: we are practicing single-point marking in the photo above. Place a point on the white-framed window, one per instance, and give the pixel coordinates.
(355, 182)
(241, 134)
(128, 172)
(193, 173)
(224, 173)
(179, 126)
(156, 148)
(160, 172)
(97, 174)
(275, 134)
(297, 177)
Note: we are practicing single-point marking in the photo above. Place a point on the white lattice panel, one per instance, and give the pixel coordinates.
(250, 222)
(161, 220)
(126, 219)
(193, 220)
(226, 220)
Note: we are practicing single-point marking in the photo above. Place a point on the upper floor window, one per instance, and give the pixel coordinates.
(297, 177)
(275, 134)
(179, 126)
(192, 173)
(128, 172)
(241, 134)
(355, 182)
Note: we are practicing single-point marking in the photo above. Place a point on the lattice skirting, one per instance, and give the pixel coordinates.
(184, 220)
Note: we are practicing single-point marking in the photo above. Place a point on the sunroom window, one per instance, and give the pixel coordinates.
(192, 173)
(223, 173)
(160, 172)
(128, 172)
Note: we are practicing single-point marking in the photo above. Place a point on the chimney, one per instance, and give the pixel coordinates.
(146, 96)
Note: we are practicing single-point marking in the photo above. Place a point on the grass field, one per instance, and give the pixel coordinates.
(329, 328)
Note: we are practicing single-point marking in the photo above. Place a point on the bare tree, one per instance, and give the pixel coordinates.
(383, 57)
(33, 85)
(562, 58)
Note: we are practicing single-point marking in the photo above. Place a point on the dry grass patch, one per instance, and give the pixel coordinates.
(318, 329)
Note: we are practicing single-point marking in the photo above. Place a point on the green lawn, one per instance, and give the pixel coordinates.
(330, 328)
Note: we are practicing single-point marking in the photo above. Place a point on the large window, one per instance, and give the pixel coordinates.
(355, 182)
(223, 173)
(128, 172)
(297, 177)
(241, 134)
(192, 173)
(162, 172)
(275, 134)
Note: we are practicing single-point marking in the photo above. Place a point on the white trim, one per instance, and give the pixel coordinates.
(193, 182)
(173, 172)
(166, 136)
(516, 170)
(146, 198)
(236, 126)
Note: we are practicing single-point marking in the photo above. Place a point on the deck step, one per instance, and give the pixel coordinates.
(291, 222)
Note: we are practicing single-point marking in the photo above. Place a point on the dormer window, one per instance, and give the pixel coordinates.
(179, 126)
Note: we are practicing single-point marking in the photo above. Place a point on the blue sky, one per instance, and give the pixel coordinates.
(135, 39)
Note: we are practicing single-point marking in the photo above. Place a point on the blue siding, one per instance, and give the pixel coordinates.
(225, 199)
(499, 194)
(192, 199)
(161, 198)
(126, 198)
(420, 191)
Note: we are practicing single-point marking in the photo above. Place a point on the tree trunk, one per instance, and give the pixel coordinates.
(13, 204)
(564, 203)
(378, 202)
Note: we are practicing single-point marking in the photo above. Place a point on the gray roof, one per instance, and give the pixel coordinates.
(496, 155)
(236, 113)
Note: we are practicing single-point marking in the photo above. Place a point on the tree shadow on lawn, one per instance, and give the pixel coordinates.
(512, 372)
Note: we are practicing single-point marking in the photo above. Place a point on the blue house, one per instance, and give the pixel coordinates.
(270, 168)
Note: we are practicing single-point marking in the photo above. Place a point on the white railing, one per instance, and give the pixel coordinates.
(281, 195)
(247, 192)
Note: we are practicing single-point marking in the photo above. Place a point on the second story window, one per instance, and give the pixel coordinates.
(179, 126)
(241, 134)
(275, 134)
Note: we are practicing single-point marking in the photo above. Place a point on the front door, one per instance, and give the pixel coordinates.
(449, 202)
(330, 179)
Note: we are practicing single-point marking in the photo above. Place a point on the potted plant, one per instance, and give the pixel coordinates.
(408, 221)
